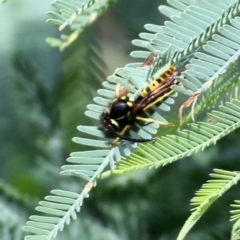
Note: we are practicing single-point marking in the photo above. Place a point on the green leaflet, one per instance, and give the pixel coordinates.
(235, 215)
(203, 68)
(221, 181)
(76, 14)
(210, 59)
(62, 206)
(184, 39)
(168, 149)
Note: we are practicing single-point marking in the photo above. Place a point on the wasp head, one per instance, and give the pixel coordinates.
(118, 114)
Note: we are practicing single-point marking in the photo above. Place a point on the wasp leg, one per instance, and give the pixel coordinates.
(112, 144)
(118, 87)
(120, 91)
(154, 121)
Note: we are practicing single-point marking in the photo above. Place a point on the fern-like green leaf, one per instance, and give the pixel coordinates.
(207, 195)
(183, 42)
(194, 79)
(235, 216)
(77, 14)
(138, 76)
(211, 58)
(168, 149)
(235, 231)
(235, 213)
(62, 207)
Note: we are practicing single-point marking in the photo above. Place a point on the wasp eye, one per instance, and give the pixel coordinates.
(104, 120)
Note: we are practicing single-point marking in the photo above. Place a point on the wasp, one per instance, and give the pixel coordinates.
(122, 112)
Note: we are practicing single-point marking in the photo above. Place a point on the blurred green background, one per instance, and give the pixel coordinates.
(43, 96)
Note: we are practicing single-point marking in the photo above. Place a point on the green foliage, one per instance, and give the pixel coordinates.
(207, 195)
(168, 149)
(76, 14)
(60, 204)
(201, 39)
(202, 54)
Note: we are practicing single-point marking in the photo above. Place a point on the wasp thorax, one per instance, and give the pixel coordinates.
(120, 108)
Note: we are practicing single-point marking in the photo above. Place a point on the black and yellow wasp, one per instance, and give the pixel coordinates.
(122, 113)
